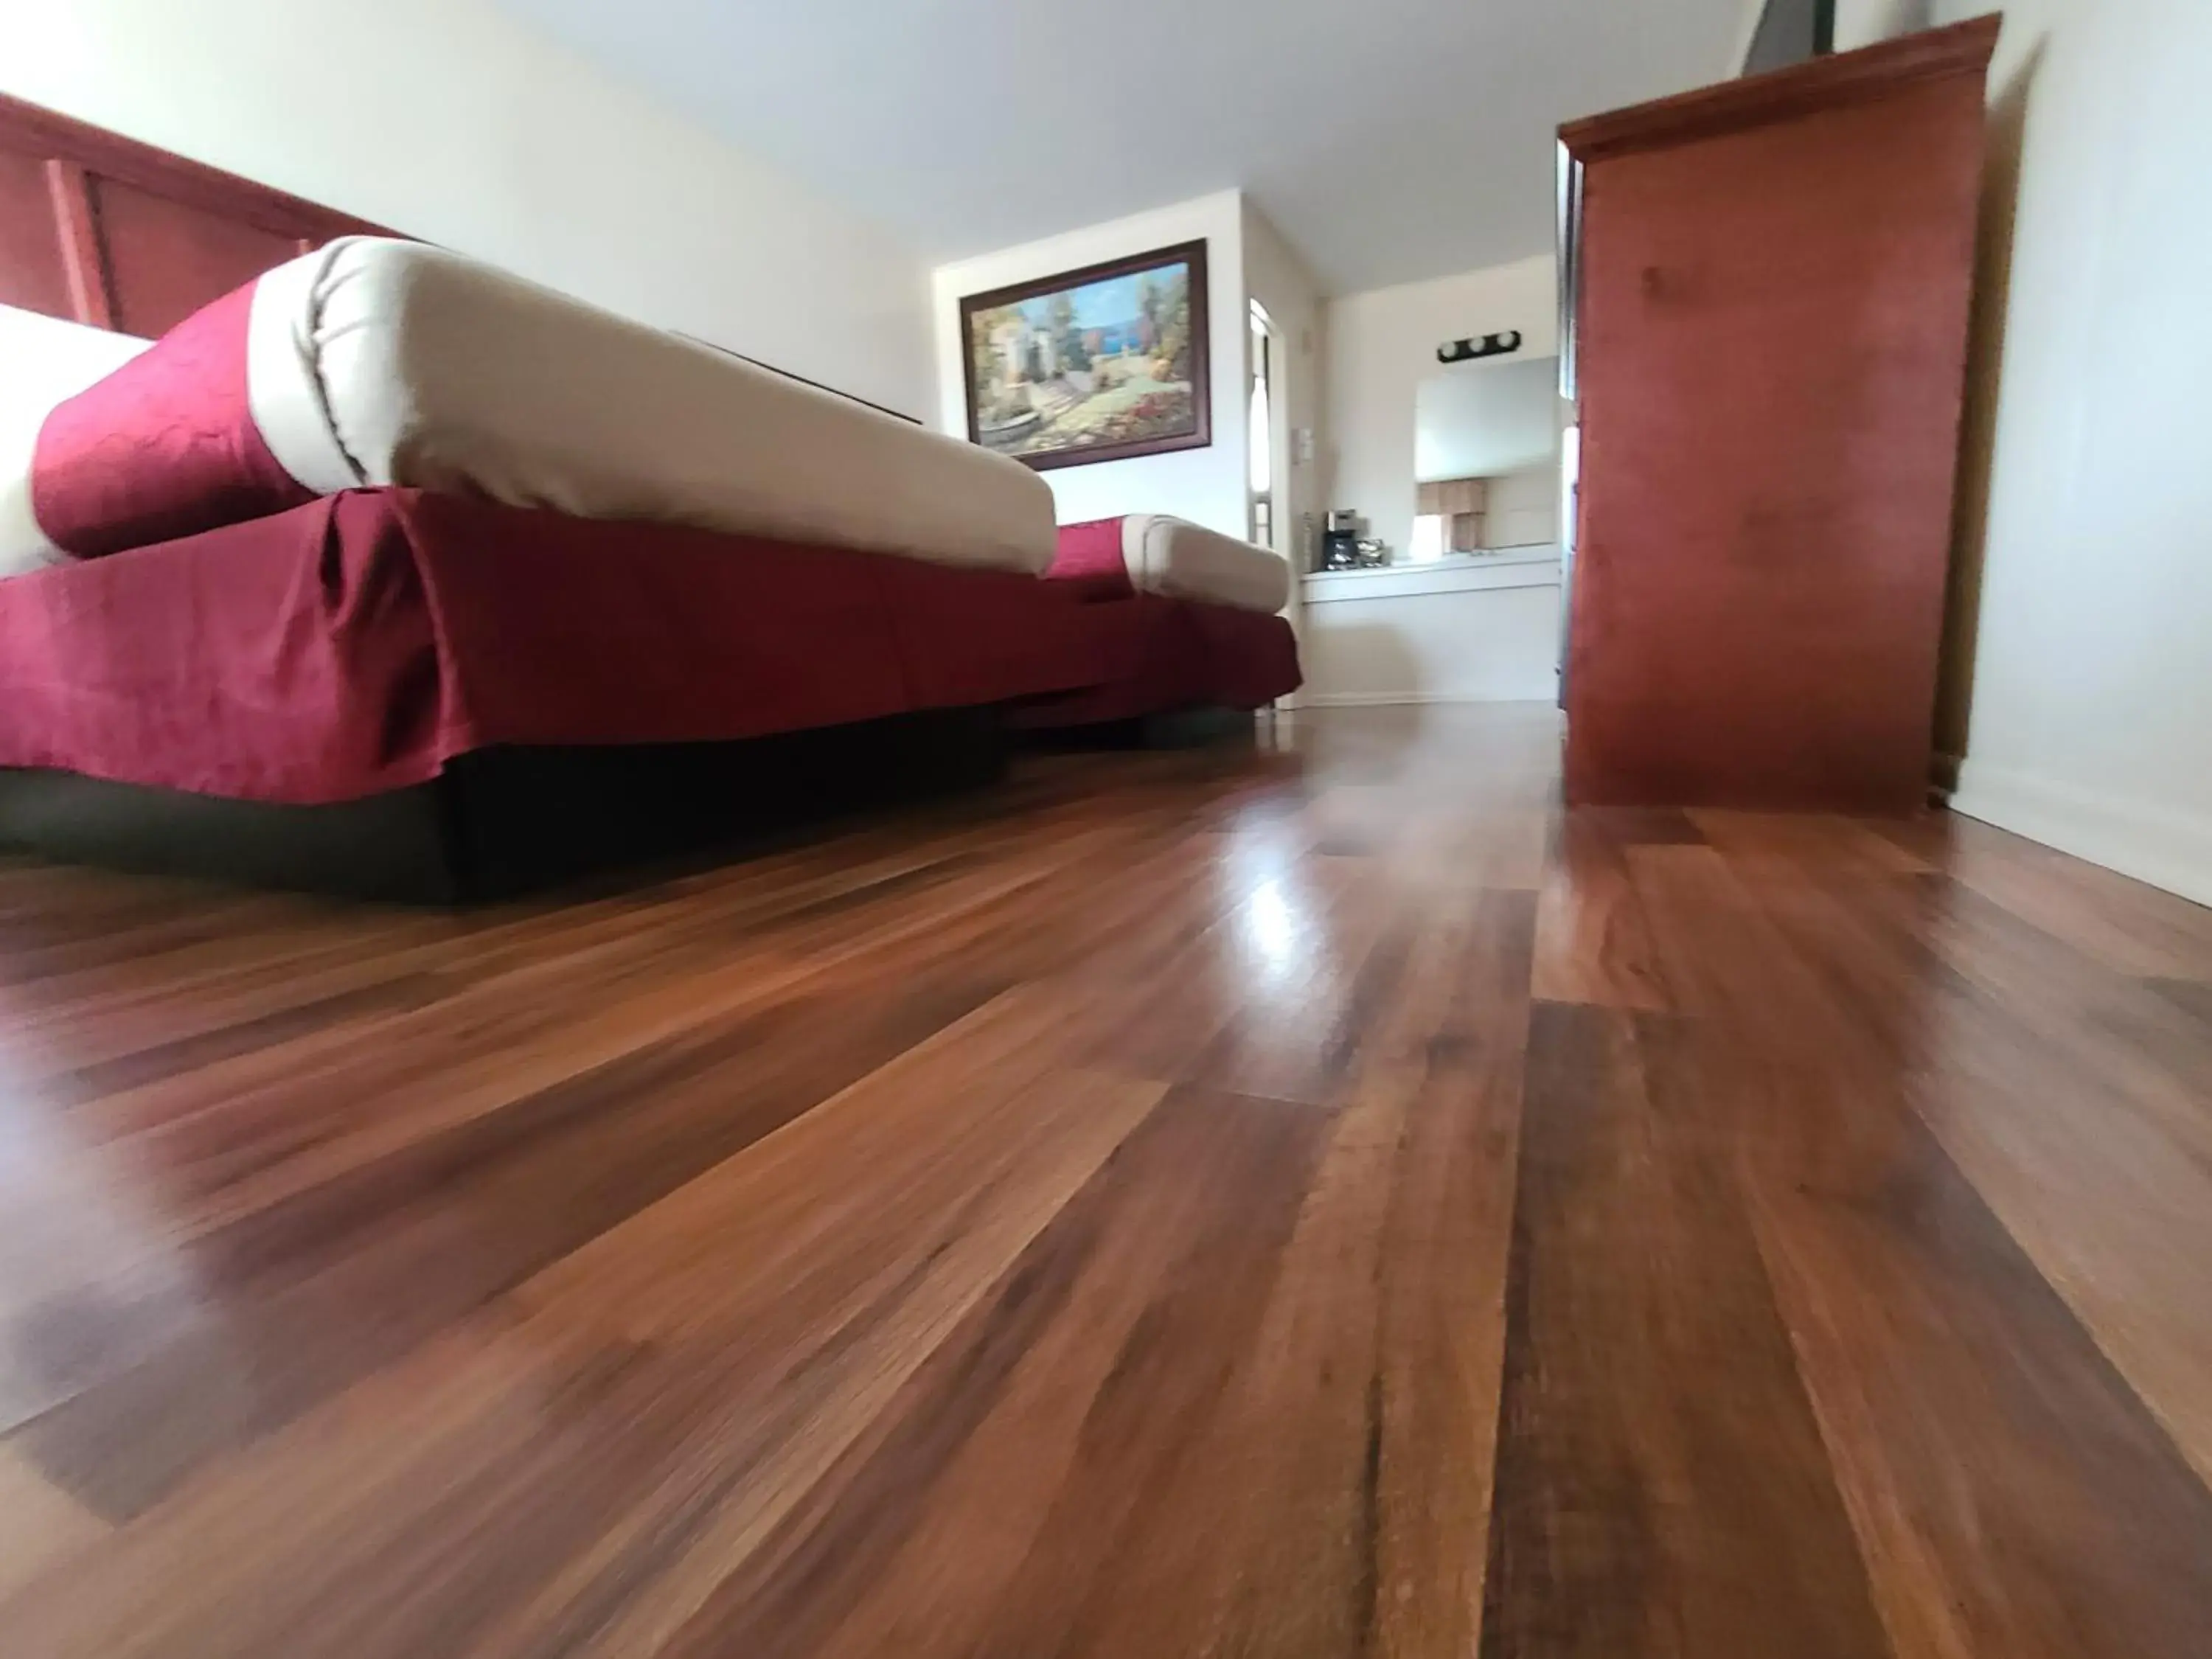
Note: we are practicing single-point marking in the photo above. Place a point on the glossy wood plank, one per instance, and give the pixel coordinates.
(39, 1523)
(1971, 1416)
(1593, 942)
(1313, 1200)
(1108, 1359)
(1639, 1512)
(2128, 926)
(2074, 1098)
(1442, 1331)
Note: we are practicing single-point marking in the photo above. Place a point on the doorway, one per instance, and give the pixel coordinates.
(1265, 437)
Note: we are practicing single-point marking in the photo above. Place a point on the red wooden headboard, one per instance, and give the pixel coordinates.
(103, 230)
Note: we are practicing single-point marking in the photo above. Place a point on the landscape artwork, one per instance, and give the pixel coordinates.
(1099, 364)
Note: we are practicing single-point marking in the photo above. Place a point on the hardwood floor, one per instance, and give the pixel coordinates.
(1315, 1202)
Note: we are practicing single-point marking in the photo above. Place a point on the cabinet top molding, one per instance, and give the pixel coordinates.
(1850, 77)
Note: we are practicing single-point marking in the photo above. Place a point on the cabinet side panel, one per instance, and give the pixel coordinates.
(1773, 341)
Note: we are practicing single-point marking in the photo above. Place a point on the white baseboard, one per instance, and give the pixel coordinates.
(2153, 843)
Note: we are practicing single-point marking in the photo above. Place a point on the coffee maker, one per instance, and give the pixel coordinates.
(1340, 544)
(1344, 548)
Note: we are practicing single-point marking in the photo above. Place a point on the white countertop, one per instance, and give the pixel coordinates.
(1459, 573)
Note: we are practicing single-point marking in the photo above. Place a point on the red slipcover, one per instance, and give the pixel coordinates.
(355, 643)
(1158, 655)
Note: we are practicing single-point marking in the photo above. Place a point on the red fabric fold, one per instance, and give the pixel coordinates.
(357, 643)
(164, 447)
(1159, 655)
(1089, 560)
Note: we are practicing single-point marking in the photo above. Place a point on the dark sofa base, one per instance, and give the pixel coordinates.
(506, 821)
(1180, 728)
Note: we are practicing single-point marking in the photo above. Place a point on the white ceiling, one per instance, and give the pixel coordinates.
(1388, 140)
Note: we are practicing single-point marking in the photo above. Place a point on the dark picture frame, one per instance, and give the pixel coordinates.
(1011, 436)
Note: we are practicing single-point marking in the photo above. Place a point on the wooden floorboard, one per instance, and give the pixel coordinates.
(1660, 1482)
(1315, 1199)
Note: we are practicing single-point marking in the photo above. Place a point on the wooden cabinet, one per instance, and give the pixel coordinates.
(1769, 289)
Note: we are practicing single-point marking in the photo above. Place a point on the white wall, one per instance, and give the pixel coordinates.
(1480, 419)
(1862, 22)
(1859, 23)
(447, 120)
(1463, 630)
(1382, 344)
(1207, 486)
(2091, 710)
(1459, 642)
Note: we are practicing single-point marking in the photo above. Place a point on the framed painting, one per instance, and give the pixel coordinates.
(1100, 364)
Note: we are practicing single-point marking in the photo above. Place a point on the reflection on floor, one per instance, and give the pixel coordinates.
(1316, 1201)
